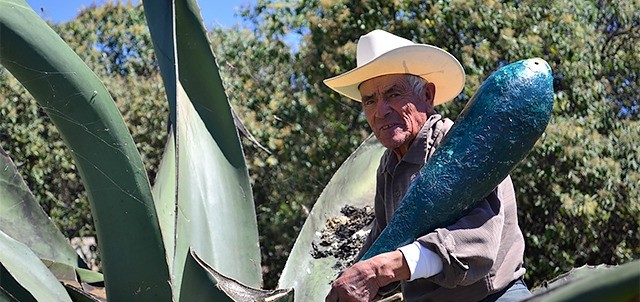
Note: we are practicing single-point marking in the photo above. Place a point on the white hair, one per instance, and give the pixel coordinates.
(416, 83)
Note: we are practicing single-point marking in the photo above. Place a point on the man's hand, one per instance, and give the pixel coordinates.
(362, 281)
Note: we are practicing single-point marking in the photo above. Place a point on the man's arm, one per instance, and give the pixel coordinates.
(469, 248)
(466, 250)
(422, 262)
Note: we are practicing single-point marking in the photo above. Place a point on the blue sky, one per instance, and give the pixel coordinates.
(214, 12)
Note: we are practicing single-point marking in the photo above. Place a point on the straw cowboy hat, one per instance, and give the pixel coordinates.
(381, 53)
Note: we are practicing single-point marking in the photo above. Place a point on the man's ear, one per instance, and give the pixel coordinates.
(430, 92)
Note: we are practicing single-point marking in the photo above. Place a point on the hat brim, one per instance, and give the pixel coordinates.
(429, 62)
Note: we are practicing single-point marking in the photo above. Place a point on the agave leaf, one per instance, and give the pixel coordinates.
(27, 269)
(77, 281)
(203, 283)
(311, 278)
(165, 196)
(214, 211)
(614, 283)
(12, 288)
(84, 113)
(5, 296)
(70, 274)
(21, 217)
(197, 285)
(79, 294)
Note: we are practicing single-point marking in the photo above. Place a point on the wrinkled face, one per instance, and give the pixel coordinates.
(394, 111)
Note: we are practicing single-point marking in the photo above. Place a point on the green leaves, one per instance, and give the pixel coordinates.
(309, 277)
(86, 116)
(203, 192)
(584, 185)
(214, 210)
(27, 269)
(608, 283)
(21, 217)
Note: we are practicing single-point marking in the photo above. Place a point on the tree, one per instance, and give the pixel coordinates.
(580, 179)
(592, 47)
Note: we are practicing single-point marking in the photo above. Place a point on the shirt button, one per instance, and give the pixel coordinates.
(396, 194)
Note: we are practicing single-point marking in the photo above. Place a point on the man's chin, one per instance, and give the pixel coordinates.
(392, 143)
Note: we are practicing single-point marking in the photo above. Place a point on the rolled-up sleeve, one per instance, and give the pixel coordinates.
(469, 248)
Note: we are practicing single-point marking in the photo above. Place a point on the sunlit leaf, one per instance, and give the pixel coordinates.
(27, 269)
(165, 195)
(203, 283)
(309, 277)
(214, 211)
(21, 217)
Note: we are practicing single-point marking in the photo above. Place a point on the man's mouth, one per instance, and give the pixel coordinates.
(388, 126)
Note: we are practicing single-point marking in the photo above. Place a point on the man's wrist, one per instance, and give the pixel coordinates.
(391, 267)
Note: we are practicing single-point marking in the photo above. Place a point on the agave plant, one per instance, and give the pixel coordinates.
(194, 235)
(156, 245)
(191, 237)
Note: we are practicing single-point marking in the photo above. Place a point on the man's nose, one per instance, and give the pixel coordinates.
(382, 108)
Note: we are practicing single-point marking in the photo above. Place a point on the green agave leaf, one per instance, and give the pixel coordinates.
(197, 284)
(131, 247)
(5, 296)
(309, 277)
(77, 281)
(69, 273)
(21, 217)
(12, 289)
(81, 295)
(27, 269)
(165, 195)
(215, 206)
(205, 169)
(203, 283)
(585, 284)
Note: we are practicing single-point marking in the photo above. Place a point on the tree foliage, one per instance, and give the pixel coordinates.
(592, 47)
(577, 190)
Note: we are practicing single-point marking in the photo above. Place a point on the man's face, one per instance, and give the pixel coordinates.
(394, 111)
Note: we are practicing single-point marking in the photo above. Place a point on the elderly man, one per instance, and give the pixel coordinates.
(479, 258)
